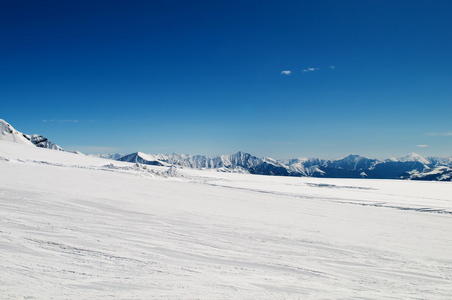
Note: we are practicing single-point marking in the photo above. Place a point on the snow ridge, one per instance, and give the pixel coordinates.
(9, 134)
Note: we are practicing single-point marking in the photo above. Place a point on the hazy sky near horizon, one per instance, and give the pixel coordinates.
(272, 78)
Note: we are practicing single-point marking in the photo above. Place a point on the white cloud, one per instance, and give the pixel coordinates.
(422, 146)
(310, 70)
(332, 67)
(61, 121)
(440, 133)
(286, 72)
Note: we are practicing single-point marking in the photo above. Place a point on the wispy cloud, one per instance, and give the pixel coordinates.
(61, 121)
(439, 133)
(422, 146)
(310, 70)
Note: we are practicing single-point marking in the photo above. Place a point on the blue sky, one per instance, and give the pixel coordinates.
(206, 77)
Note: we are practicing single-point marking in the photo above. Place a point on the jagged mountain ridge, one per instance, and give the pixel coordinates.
(42, 142)
(239, 162)
(412, 166)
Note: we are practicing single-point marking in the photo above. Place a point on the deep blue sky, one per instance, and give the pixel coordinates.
(205, 77)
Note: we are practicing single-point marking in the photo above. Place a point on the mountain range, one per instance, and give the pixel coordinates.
(412, 166)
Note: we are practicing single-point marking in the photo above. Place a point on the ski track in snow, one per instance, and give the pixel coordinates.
(73, 227)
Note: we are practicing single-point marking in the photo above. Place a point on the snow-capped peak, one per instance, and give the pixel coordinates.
(414, 157)
(151, 157)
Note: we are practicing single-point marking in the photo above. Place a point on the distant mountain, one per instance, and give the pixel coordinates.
(113, 156)
(8, 133)
(239, 162)
(440, 173)
(412, 166)
(142, 158)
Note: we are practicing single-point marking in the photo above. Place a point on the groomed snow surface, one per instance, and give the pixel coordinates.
(78, 227)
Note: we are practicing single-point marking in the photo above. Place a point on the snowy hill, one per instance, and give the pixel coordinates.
(9, 134)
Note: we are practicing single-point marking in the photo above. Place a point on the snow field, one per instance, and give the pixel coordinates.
(77, 227)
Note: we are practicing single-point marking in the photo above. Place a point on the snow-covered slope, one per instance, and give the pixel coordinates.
(440, 173)
(80, 227)
(9, 134)
(306, 166)
(441, 161)
(414, 157)
(20, 153)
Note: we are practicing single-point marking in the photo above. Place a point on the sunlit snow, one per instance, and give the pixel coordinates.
(79, 227)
